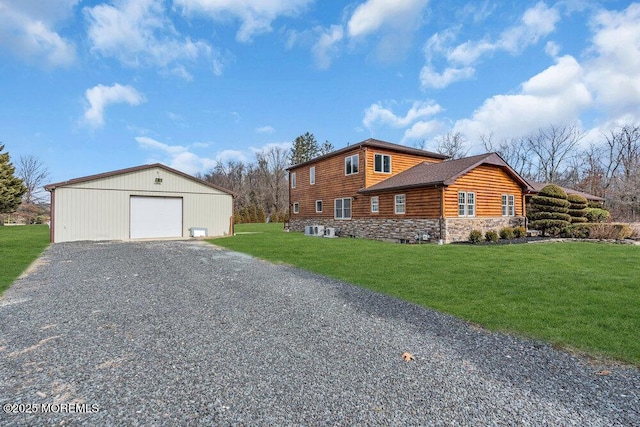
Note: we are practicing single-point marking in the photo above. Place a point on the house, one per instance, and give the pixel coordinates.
(537, 186)
(380, 190)
(142, 202)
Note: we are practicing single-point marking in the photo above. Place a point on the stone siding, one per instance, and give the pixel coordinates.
(392, 229)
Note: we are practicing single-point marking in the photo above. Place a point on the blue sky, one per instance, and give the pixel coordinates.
(93, 86)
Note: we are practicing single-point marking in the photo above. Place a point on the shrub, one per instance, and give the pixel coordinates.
(549, 210)
(491, 236)
(519, 232)
(475, 236)
(610, 231)
(578, 208)
(507, 233)
(598, 231)
(597, 215)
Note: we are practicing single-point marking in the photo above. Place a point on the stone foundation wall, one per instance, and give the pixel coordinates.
(458, 229)
(453, 230)
(376, 228)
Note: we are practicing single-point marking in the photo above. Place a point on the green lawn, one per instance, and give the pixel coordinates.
(583, 297)
(19, 247)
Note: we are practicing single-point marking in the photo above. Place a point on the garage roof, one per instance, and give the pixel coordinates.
(53, 186)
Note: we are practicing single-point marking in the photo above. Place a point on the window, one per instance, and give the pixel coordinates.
(318, 206)
(508, 205)
(296, 207)
(375, 204)
(466, 204)
(312, 175)
(293, 180)
(400, 204)
(351, 165)
(382, 163)
(343, 208)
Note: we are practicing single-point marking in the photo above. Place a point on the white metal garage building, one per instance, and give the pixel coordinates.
(143, 202)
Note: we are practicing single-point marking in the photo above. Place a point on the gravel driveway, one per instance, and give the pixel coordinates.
(166, 333)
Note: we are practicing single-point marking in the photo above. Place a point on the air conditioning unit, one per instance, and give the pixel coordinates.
(329, 232)
(318, 230)
(308, 230)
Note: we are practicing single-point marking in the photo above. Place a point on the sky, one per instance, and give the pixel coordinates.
(93, 86)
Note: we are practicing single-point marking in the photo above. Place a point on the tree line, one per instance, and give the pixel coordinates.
(262, 187)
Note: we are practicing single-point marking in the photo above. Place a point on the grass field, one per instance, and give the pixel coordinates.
(583, 297)
(19, 247)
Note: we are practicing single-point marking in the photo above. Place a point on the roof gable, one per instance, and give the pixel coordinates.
(375, 143)
(443, 173)
(135, 169)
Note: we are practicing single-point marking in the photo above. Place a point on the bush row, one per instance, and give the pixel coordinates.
(507, 233)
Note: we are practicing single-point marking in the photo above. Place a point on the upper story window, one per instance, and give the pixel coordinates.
(312, 175)
(375, 204)
(293, 180)
(466, 204)
(508, 205)
(400, 204)
(382, 163)
(351, 165)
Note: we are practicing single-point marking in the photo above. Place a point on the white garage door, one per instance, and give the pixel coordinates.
(156, 217)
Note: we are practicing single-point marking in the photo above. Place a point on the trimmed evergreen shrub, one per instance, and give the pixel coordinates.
(491, 236)
(602, 231)
(578, 208)
(475, 236)
(549, 210)
(507, 233)
(597, 215)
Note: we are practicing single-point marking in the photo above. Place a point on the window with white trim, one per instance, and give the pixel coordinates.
(312, 175)
(375, 204)
(296, 207)
(318, 206)
(351, 165)
(466, 204)
(400, 204)
(382, 163)
(508, 205)
(293, 180)
(342, 208)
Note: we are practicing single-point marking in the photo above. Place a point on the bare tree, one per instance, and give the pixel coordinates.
(453, 145)
(514, 151)
(33, 173)
(552, 148)
(272, 167)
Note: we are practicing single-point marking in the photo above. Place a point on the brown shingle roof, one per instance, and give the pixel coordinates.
(537, 186)
(444, 173)
(375, 143)
(50, 187)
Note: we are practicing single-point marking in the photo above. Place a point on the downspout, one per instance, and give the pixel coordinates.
(441, 241)
(52, 216)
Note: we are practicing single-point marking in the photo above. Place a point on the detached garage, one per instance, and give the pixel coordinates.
(143, 202)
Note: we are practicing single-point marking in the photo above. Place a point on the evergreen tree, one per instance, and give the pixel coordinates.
(305, 147)
(11, 188)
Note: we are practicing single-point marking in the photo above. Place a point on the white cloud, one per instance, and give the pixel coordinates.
(265, 129)
(557, 95)
(100, 96)
(256, 16)
(27, 30)
(377, 114)
(429, 78)
(373, 15)
(138, 33)
(536, 23)
(324, 50)
(422, 130)
(230, 156)
(613, 72)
